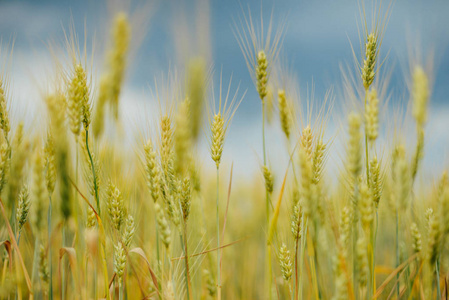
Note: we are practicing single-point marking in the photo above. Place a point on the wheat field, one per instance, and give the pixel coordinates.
(344, 207)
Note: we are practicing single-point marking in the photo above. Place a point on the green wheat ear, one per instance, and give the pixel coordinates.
(218, 135)
(261, 74)
(420, 95)
(115, 205)
(369, 63)
(284, 113)
(4, 118)
(23, 206)
(285, 262)
(117, 58)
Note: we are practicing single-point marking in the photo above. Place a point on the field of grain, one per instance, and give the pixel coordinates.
(344, 207)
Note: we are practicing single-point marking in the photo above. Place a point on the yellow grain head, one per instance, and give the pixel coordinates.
(295, 225)
(318, 161)
(269, 103)
(119, 261)
(5, 151)
(420, 95)
(128, 233)
(362, 261)
(354, 151)
(376, 181)
(152, 171)
(217, 140)
(186, 195)
(284, 113)
(196, 87)
(38, 194)
(341, 281)
(103, 95)
(50, 165)
(306, 142)
(163, 225)
(19, 155)
(369, 63)
(285, 262)
(443, 203)
(261, 74)
(115, 205)
(366, 206)
(402, 178)
(44, 273)
(78, 108)
(4, 118)
(166, 151)
(91, 219)
(416, 236)
(306, 190)
(433, 238)
(117, 58)
(372, 116)
(182, 138)
(269, 180)
(345, 226)
(23, 207)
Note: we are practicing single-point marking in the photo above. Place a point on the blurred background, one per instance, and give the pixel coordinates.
(317, 45)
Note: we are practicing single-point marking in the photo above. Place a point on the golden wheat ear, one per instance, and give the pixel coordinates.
(220, 116)
(260, 45)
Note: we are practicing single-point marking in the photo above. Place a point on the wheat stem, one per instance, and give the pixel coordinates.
(184, 243)
(303, 248)
(373, 278)
(366, 145)
(158, 256)
(50, 293)
(437, 271)
(93, 173)
(218, 240)
(35, 260)
(62, 265)
(267, 202)
(120, 291)
(397, 252)
(296, 267)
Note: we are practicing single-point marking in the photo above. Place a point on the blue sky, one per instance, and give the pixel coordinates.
(316, 44)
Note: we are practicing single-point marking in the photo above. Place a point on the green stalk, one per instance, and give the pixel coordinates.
(102, 250)
(50, 292)
(374, 242)
(158, 257)
(315, 257)
(33, 273)
(187, 263)
(366, 145)
(367, 181)
(397, 252)
(290, 289)
(437, 271)
(62, 265)
(263, 133)
(93, 173)
(120, 291)
(86, 278)
(267, 202)
(296, 269)
(218, 239)
(354, 251)
(17, 235)
(303, 247)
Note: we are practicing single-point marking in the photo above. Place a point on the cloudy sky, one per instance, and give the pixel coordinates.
(317, 43)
